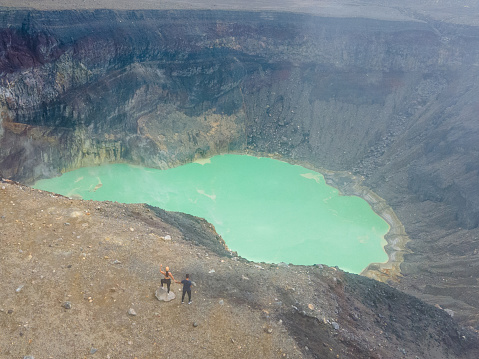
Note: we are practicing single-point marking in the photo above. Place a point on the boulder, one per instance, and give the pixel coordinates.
(162, 295)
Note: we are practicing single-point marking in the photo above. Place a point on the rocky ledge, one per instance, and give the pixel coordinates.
(79, 279)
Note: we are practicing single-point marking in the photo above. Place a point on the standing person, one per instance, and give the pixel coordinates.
(168, 277)
(186, 288)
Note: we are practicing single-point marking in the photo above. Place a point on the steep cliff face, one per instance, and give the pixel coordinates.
(160, 88)
(394, 101)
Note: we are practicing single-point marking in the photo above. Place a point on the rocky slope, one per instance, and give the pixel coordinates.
(390, 98)
(79, 277)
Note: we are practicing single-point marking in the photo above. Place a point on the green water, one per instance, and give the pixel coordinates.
(266, 210)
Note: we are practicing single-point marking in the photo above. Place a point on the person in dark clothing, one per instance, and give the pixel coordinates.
(168, 277)
(186, 288)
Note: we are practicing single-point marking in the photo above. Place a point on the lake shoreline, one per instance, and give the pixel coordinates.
(349, 184)
(319, 217)
(396, 238)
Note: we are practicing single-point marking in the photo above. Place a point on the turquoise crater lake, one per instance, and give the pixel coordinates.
(265, 209)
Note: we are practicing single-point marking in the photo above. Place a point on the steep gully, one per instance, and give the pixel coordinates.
(388, 105)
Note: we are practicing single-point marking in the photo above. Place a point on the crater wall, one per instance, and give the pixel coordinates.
(392, 101)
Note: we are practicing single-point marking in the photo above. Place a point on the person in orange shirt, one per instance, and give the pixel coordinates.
(168, 277)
